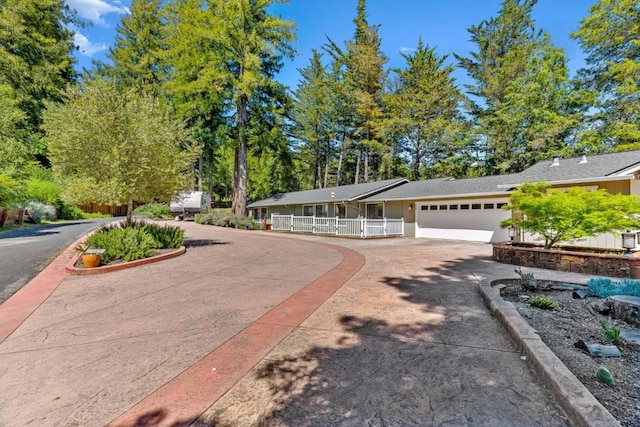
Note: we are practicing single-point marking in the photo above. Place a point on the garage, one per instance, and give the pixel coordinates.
(462, 219)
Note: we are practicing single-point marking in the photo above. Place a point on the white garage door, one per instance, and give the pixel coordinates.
(475, 220)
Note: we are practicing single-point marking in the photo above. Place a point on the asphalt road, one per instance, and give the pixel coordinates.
(25, 252)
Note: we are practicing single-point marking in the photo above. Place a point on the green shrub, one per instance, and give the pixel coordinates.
(611, 333)
(605, 287)
(167, 237)
(8, 190)
(153, 210)
(128, 244)
(39, 211)
(94, 215)
(42, 190)
(225, 218)
(545, 303)
(70, 212)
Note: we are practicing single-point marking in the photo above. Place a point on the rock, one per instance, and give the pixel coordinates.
(630, 336)
(580, 294)
(598, 350)
(602, 306)
(627, 308)
(569, 287)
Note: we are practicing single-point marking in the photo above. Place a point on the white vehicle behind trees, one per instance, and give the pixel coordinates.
(189, 203)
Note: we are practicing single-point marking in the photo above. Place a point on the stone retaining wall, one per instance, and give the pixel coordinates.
(573, 261)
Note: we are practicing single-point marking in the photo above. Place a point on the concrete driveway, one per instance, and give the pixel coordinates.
(253, 328)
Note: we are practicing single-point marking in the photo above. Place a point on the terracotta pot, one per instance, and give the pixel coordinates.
(90, 260)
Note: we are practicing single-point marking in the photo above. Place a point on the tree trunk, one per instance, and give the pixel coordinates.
(358, 161)
(416, 165)
(366, 164)
(200, 171)
(341, 155)
(130, 210)
(239, 204)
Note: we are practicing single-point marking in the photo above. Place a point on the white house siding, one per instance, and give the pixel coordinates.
(474, 224)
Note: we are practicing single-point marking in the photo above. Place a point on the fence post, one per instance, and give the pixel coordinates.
(291, 226)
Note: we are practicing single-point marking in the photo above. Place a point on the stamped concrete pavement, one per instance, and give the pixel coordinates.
(406, 341)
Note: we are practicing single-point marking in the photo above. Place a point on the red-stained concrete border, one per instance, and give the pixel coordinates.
(72, 269)
(183, 399)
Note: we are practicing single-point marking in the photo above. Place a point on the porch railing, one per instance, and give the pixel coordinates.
(356, 227)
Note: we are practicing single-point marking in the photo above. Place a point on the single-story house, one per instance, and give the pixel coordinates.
(464, 209)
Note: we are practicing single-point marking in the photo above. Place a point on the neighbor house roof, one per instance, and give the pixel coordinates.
(344, 193)
(603, 166)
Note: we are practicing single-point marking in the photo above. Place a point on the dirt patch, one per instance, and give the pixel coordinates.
(571, 321)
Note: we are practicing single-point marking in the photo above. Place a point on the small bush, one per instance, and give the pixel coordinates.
(153, 210)
(70, 212)
(167, 237)
(39, 212)
(604, 376)
(8, 190)
(611, 333)
(604, 287)
(94, 215)
(128, 244)
(225, 218)
(545, 303)
(41, 190)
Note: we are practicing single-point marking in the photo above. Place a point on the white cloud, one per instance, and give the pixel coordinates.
(86, 47)
(95, 10)
(404, 49)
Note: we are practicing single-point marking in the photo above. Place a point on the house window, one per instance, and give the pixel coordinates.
(500, 205)
(263, 213)
(488, 205)
(476, 206)
(375, 210)
(425, 207)
(453, 207)
(443, 207)
(317, 210)
(340, 211)
(464, 207)
(433, 207)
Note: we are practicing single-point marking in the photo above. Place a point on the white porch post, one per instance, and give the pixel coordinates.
(313, 224)
(384, 226)
(363, 229)
(291, 226)
(337, 219)
(402, 219)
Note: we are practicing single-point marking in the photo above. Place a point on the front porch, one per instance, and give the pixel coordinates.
(345, 227)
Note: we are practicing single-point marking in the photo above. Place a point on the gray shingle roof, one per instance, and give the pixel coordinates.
(598, 166)
(343, 193)
(442, 187)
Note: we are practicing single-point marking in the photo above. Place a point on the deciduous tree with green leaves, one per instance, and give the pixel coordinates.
(610, 36)
(558, 216)
(115, 146)
(36, 58)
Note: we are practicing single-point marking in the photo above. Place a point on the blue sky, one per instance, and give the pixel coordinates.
(440, 23)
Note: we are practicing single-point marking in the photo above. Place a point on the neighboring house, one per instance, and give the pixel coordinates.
(461, 209)
(341, 202)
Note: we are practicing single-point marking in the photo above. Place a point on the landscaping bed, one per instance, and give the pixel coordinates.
(574, 320)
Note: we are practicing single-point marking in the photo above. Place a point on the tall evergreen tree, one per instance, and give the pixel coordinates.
(252, 45)
(610, 36)
(36, 60)
(423, 109)
(365, 77)
(138, 48)
(512, 74)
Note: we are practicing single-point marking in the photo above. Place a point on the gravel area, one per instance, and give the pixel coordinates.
(574, 320)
